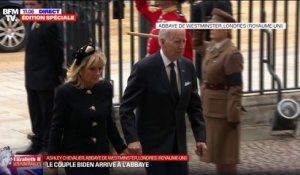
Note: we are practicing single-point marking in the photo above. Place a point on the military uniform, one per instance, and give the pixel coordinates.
(201, 12)
(222, 95)
(155, 15)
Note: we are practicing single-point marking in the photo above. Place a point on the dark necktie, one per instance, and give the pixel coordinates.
(173, 82)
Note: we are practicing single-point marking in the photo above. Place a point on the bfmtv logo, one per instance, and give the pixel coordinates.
(10, 13)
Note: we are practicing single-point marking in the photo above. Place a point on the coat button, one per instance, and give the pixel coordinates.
(88, 92)
(93, 108)
(94, 124)
(94, 139)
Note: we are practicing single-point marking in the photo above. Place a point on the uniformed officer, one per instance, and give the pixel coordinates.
(201, 12)
(166, 11)
(43, 68)
(221, 94)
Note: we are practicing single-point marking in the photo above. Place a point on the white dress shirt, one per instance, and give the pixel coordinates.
(168, 68)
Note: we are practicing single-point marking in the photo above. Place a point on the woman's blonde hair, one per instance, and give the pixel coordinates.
(73, 74)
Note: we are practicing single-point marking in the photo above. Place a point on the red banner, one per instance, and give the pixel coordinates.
(48, 18)
(148, 158)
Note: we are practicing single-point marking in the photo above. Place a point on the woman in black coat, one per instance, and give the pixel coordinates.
(82, 120)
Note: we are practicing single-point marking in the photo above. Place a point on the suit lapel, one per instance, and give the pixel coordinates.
(182, 75)
(161, 73)
(214, 52)
(226, 45)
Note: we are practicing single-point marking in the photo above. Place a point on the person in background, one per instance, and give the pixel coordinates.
(166, 11)
(82, 116)
(201, 12)
(162, 88)
(44, 59)
(221, 93)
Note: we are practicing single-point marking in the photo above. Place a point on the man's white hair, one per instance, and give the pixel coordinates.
(164, 33)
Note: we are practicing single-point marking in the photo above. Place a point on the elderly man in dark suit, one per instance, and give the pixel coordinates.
(43, 70)
(162, 88)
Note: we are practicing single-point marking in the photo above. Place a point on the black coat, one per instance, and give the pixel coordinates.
(44, 57)
(158, 120)
(82, 122)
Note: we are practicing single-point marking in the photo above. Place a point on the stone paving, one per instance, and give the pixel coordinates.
(260, 153)
(263, 157)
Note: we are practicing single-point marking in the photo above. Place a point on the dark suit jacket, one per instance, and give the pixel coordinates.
(158, 120)
(44, 57)
(77, 128)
